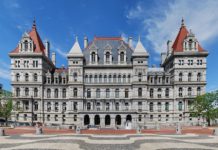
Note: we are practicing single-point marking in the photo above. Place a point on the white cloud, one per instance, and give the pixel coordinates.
(4, 71)
(58, 50)
(125, 38)
(163, 22)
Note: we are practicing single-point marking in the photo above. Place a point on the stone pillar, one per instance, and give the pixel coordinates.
(112, 122)
(102, 121)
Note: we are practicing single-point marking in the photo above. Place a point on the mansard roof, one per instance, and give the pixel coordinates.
(38, 44)
(100, 43)
(178, 43)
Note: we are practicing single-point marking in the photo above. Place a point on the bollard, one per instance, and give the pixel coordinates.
(39, 131)
(2, 132)
(178, 128)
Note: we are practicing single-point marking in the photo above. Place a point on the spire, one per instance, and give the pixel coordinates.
(183, 22)
(34, 24)
(75, 50)
(140, 49)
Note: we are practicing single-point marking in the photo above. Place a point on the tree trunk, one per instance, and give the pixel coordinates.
(208, 121)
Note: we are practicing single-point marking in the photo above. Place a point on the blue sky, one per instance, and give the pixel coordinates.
(155, 20)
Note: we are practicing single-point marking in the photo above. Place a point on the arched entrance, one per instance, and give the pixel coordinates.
(107, 120)
(97, 120)
(128, 122)
(86, 120)
(118, 120)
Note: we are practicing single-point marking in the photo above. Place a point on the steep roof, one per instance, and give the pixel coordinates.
(75, 50)
(39, 46)
(139, 49)
(178, 43)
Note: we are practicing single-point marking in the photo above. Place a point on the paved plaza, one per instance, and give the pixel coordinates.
(109, 142)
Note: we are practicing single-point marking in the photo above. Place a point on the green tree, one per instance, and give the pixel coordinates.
(203, 106)
(5, 108)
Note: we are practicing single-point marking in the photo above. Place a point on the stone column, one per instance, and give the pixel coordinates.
(102, 121)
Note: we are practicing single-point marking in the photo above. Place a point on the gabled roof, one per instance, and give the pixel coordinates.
(75, 50)
(39, 46)
(178, 43)
(140, 49)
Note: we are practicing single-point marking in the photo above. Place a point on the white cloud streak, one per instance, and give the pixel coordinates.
(4, 71)
(163, 23)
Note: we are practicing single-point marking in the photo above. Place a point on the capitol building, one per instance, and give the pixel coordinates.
(108, 83)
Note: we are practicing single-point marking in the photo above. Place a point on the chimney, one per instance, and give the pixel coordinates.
(53, 58)
(130, 41)
(47, 49)
(169, 47)
(85, 41)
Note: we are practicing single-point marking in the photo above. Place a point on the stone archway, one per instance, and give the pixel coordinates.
(86, 120)
(128, 122)
(118, 120)
(129, 118)
(97, 120)
(107, 120)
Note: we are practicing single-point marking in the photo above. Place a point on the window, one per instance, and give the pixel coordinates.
(35, 77)
(140, 77)
(86, 79)
(18, 105)
(98, 106)
(25, 117)
(17, 92)
(151, 107)
(75, 106)
(56, 107)
(181, 62)
(139, 92)
(117, 93)
(126, 93)
(75, 76)
(64, 93)
(139, 106)
(129, 78)
(35, 92)
(107, 106)
(26, 77)
(88, 93)
(167, 106)
(100, 78)
(96, 78)
(98, 93)
(159, 106)
(122, 57)
(17, 77)
(26, 64)
(180, 92)
(56, 117)
(167, 117)
(75, 91)
(167, 92)
(151, 117)
(126, 106)
(35, 64)
(110, 78)
(56, 93)
(90, 79)
(64, 107)
(117, 106)
(107, 93)
(17, 64)
(26, 91)
(189, 91)
(48, 93)
(93, 57)
(140, 118)
(119, 78)
(159, 117)
(48, 118)
(35, 106)
(190, 62)
(199, 76)
(25, 45)
(124, 78)
(180, 77)
(49, 80)
(48, 106)
(180, 106)
(107, 57)
(199, 91)
(199, 62)
(105, 78)
(88, 106)
(159, 92)
(189, 76)
(167, 79)
(114, 78)
(151, 93)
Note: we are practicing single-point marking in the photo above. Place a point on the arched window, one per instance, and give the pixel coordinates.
(35, 77)
(64, 106)
(151, 93)
(124, 78)
(48, 106)
(122, 57)
(88, 106)
(159, 106)
(48, 93)
(180, 77)
(17, 92)
(198, 90)
(140, 76)
(151, 107)
(64, 93)
(139, 92)
(159, 91)
(100, 78)
(35, 92)
(180, 106)
(105, 78)
(93, 57)
(129, 78)
(25, 45)
(117, 106)
(189, 91)
(75, 91)
(56, 93)
(107, 93)
(35, 106)
(107, 57)
(180, 92)
(17, 77)
(114, 78)
(26, 77)
(189, 76)
(199, 76)
(98, 94)
(90, 79)
(117, 93)
(119, 78)
(167, 92)
(110, 78)
(96, 78)
(26, 91)
(126, 93)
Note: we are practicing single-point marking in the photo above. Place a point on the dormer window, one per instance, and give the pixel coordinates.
(26, 45)
(190, 44)
(107, 57)
(93, 60)
(122, 57)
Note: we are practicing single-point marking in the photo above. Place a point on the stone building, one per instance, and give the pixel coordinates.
(108, 83)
